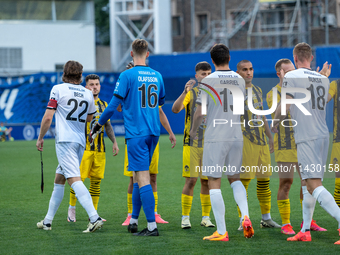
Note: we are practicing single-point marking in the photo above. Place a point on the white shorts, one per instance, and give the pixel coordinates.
(222, 157)
(312, 158)
(69, 158)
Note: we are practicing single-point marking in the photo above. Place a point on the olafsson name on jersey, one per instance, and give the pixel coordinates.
(147, 79)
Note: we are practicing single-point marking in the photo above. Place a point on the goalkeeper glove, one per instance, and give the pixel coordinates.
(94, 132)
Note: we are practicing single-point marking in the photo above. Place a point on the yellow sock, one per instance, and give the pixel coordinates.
(186, 204)
(156, 200)
(284, 209)
(264, 194)
(337, 191)
(95, 191)
(301, 202)
(245, 183)
(129, 203)
(206, 204)
(73, 199)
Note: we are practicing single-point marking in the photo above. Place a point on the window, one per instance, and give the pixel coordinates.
(71, 10)
(202, 23)
(11, 58)
(176, 26)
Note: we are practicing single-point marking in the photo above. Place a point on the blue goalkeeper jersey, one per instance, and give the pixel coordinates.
(141, 90)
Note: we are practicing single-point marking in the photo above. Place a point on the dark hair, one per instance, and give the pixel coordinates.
(139, 47)
(280, 62)
(303, 51)
(220, 54)
(242, 62)
(91, 77)
(202, 66)
(73, 71)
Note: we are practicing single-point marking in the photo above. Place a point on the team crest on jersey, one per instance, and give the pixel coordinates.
(186, 168)
(335, 161)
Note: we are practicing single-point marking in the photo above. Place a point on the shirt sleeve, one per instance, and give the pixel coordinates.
(54, 97)
(122, 86)
(288, 82)
(161, 99)
(187, 99)
(270, 98)
(332, 88)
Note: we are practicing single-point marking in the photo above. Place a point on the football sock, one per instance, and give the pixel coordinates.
(136, 202)
(152, 225)
(55, 201)
(95, 191)
(308, 205)
(284, 209)
(148, 202)
(129, 203)
(301, 203)
(337, 191)
(245, 183)
(73, 199)
(264, 197)
(155, 194)
(218, 207)
(85, 200)
(186, 204)
(327, 202)
(206, 204)
(240, 196)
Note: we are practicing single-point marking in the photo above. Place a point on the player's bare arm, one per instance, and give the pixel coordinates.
(178, 104)
(197, 120)
(44, 127)
(269, 135)
(166, 125)
(111, 135)
(278, 115)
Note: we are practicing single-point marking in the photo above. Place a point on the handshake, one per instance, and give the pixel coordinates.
(94, 132)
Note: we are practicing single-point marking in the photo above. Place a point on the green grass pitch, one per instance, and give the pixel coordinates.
(23, 205)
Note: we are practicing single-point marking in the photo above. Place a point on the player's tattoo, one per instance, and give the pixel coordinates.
(109, 131)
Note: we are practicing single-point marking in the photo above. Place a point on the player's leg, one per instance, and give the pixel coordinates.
(130, 188)
(286, 175)
(139, 149)
(55, 201)
(85, 167)
(188, 189)
(153, 181)
(205, 203)
(263, 188)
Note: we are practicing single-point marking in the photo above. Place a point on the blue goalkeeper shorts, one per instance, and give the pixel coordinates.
(140, 151)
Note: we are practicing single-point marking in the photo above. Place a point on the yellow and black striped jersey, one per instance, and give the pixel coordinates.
(333, 91)
(284, 138)
(255, 132)
(98, 144)
(190, 108)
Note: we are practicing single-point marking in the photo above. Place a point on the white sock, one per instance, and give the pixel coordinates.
(266, 216)
(327, 202)
(55, 201)
(308, 205)
(84, 198)
(218, 207)
(72, 207)
(132, 220)
(185, 216)
(240, 196)
(205, 217)
(152, 225)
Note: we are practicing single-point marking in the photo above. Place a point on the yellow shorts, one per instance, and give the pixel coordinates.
(153, 169)
(93, 165)
(335, 155)
(255, 160)
(192, 157)
(286, 155)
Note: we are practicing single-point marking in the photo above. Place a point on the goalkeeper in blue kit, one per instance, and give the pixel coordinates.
(141, 90)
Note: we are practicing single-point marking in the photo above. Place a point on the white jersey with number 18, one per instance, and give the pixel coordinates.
(308, 127)
(72, 104)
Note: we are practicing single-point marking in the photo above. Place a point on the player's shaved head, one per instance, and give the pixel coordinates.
(280, 62)
(139, 47)
(219, 53)
(73, 71)
(303, 52)
(202, 66)
(239, 64)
